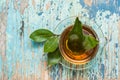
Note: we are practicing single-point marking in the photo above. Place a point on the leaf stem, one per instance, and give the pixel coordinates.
(57, 35)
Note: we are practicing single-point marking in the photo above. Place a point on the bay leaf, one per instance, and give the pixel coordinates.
(54, 57)
(51, 44)
(41, 35)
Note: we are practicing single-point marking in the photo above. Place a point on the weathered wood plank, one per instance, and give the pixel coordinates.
(119, 49)
(21, 59)
(3, 25)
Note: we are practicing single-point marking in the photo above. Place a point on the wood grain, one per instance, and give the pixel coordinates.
(22, 59)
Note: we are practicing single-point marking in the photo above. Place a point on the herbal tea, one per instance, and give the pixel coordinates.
(77, 57)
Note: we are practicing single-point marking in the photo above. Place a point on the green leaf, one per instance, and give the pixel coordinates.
(77, 29)
(54, 57)
(75, 37)
(89, 42)
(41, 35)
(79, 42)
(51, 44)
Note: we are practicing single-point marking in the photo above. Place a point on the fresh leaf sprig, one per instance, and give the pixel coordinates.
(51, 42)
(77, 41)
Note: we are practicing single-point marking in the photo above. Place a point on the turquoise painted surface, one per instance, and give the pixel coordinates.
(21, 59)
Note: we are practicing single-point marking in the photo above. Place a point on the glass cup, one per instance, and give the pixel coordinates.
(86, 60)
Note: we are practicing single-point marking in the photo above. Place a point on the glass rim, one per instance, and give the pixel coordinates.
(98, 27)
(74, 61)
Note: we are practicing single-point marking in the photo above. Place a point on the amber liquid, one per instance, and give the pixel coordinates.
(73, 57)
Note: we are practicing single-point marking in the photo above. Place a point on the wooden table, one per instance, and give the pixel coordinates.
(21, 59)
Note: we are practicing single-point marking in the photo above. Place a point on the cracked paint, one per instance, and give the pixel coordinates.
(23, 58)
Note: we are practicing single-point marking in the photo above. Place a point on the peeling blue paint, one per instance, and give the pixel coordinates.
(82, 3)
(102, 7)
(40, 13)
(26, 52)
(116, 45)
(102, 69)
(57, 18)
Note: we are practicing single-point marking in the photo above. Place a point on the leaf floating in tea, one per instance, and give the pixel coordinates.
(89, 42)
(79, 42)
(75, 37)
